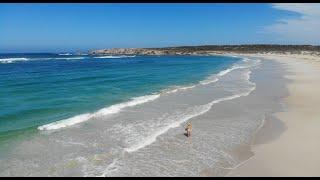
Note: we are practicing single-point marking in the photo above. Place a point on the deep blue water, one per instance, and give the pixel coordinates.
(36, 89)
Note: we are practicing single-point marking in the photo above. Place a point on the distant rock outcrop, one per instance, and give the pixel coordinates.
(128, 51)
(211, 49)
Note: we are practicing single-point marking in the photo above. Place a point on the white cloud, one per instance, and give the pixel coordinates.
(304, 29)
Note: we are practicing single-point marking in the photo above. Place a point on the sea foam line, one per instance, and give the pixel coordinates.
(118, 107)
(102, 112)
(65, 54)
(69, 58)
(214, 78)
(197, 111)
(10, 60)
(211, 79)
(175, 89)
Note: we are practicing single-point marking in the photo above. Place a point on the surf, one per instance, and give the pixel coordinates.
(11, 60)
(116, 108)
(179, 118)
(102, 112)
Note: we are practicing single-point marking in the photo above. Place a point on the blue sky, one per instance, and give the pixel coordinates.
(81, 27)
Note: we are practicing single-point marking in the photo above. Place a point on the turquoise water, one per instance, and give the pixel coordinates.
(37, 89)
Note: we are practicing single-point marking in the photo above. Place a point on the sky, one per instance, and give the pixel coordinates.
(81, 27)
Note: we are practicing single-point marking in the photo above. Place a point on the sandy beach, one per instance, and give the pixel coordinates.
(296, 151)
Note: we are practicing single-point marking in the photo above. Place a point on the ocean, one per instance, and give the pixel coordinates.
(83, 115)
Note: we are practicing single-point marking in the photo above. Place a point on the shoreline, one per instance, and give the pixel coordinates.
(225, 138)
(293, 152)
(111, 138)
(105, 153)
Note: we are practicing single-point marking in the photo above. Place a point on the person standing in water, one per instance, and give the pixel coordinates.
(188, 129)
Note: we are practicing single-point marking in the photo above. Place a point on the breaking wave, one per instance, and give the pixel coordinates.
(102, 112)
(11, 60)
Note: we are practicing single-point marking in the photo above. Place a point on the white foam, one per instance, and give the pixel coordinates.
(113, 57)
(234, 67)
(224, 72)
(102, 112)
(214, 78)
(65, 54)
(58, 58)
(179, 119)
(135, 101)
(152, 138)
(66, 122)
(70, 58)
(209, 80)
(187, 87)
(191, 114)
(11, 60)
(177, 88)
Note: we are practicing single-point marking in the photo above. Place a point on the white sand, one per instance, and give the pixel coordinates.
(297, 151)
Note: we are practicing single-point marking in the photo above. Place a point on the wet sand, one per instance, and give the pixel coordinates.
(295, 152)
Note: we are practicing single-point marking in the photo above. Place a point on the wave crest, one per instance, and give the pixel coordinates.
(102, 112)
(11, 60)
